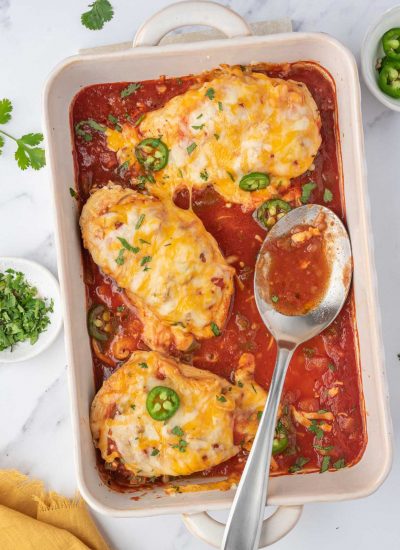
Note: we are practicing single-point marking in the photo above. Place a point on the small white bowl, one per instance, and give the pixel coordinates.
(371, 50)
(47, 286)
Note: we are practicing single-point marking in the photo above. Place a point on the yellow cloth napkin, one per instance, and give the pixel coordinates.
(32, 519)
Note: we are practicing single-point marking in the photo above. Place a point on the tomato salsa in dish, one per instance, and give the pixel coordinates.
(301, 256)
(165, 189)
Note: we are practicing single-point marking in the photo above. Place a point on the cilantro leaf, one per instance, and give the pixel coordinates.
(210, 93)
(325, 464)
(177, 430)
(21, 156)
(1, 144)
(101, 11)
(215, 329)
(31, 139)
(5, 110)
(130, 89)
(298, 465)
(306, 190)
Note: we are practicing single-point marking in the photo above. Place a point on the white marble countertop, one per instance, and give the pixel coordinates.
(35, 436)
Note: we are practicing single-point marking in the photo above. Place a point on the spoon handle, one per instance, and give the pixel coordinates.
(243, 529)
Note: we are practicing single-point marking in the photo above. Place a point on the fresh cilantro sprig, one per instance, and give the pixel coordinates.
(27, 153)
(23, 314)
(101, 11)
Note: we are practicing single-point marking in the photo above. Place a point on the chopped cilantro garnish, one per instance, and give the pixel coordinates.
(128, 246)
(200, 115)
(73, 193)
(230, 175)
(154, 452)
(129, 90)
(325, 464)
(120, 308)
(122, 169)
(177, 430)
(215, 329)
(239, 383)
(120, 258)
(199, 127)
(23, 314)
(298, 465)
(204, 174)
(143, 365)
(259, 415)
(140, 221)
(145, 260)
(113, 119)
(322, 448)
(328, 195)
(92, 124)
(191, 148)
(144, 241)
(221, 398)
(306, 190)
(133, 407)
(181, 445)
(316, 430)
(210, 93)
(275, 298)
(220, 107)
(341, 463)
(309, 352)
(216, 136)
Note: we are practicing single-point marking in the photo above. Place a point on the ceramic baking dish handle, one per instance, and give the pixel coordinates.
(211, 531)
(183, 14)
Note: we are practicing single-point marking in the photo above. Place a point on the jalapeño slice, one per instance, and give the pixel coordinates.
(271, 211)
(162, 403)
(152, 153)
(281, 440)
(254, 181)
(99, 325)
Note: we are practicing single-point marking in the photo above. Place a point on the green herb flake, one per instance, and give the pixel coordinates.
(204, 174)
(220, 106)
(123, 168)
(215, 329)
(180, 173)
(230, 175)
(298, 465)
(306, 191)
(325, 464)
(73, 193)
(341, 463)
(143, 241)
(140, 221)
(216, 136)
(331, 367)
(23, 314)
(254, 388)
(221, 398)
(155, 452)
(121, 308)
(120, 260)
(259, 415)
(210, 93)
(177, 430)
(114, 120)
(200, 115)
(322, 448)
(129, 90)
(181, 446)
(92, 124)
(239, 383)
(275, 298)
(145, 260)
(133, 407)
(139, 120)
(328, 195)
(128, 246)
(101, 11)
(143, 365)
(316, 430)
(199, 127)
(191, 148)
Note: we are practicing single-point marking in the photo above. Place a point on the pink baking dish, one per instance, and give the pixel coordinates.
(145, 60)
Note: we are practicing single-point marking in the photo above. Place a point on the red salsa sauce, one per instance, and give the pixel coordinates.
(301, 256)
(324, 374)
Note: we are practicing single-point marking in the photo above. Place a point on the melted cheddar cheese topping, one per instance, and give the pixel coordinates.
(123, 429)
(232, 125)
(170, 267)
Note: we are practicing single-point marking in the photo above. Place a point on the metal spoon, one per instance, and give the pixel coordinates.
(243, 528)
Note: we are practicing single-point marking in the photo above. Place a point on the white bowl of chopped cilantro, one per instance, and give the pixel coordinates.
(30, 309)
